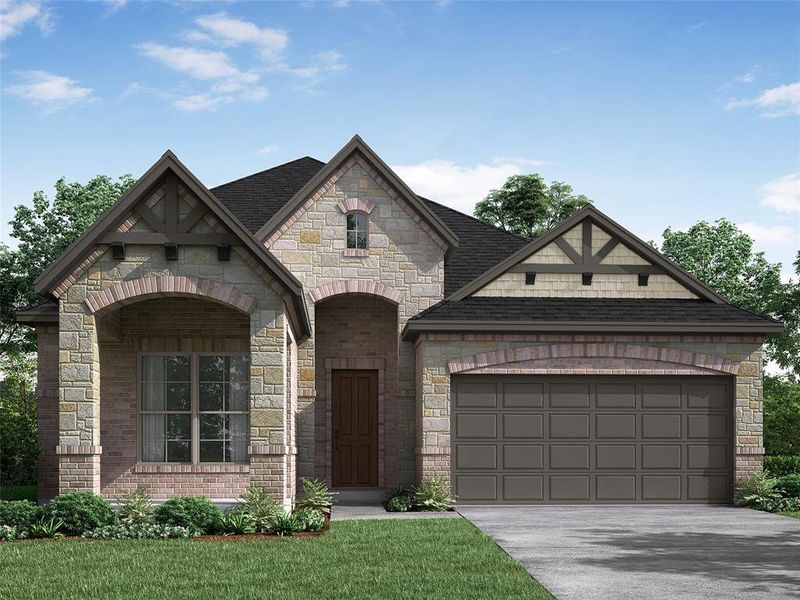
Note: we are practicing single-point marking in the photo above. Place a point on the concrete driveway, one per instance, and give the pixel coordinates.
(643, 552)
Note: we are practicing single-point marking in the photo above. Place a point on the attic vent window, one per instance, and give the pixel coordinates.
(530, 278)
(587, 279)
(118, 251)
(643, 279)
(171, 252)
(223, 253)
(356, 230)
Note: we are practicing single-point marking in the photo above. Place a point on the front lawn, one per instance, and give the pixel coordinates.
(795, 515)
(370, 559)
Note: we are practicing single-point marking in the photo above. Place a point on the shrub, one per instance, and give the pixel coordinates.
(196, 513)
(47, 528)
(310, 519)
(285, 524)
(139, 531)
(19, 513)
(79, 512)
(782, 465)
(236, 522)
(400, 503)
(315, 495)
(136, 507)
(433, 494)
(788, 485)
(781, 415)
(260, 506)
(9, 533)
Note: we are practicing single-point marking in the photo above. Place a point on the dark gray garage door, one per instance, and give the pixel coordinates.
(528, 439)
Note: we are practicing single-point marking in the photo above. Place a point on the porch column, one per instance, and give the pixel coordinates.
(78, 447)
(271, 455)
(749, 416)
(433, 412)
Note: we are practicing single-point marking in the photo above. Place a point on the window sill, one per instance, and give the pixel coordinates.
(205, 469)
(355, 252)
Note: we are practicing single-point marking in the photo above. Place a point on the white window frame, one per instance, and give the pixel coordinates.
(194, 408)
(347, 230)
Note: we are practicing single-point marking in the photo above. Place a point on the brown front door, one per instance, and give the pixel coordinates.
(355, 428)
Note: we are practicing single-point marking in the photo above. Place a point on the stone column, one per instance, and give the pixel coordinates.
(78, 396)
(749, 416)
(433, 414)
(269, 449)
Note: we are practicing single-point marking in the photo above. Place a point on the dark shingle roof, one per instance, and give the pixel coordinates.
(255, 198)
(589, 309)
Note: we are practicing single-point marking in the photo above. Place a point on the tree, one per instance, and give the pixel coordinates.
(44, 231)
(722, 256)
(527, 207)
(781, 416)
(19, 451)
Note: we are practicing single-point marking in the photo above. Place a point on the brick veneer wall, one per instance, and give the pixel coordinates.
(740, 356)
(402, 255)
(47, 410)
(356, 328)
(79, 358)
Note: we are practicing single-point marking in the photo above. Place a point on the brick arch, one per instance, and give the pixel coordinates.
(350, 286)
(144, 288)
(548, 352)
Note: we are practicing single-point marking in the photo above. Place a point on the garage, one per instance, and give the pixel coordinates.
(580, 439)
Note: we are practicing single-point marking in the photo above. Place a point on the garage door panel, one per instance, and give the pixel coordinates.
(476, 457)
(569, 395)
(523, 426)
(581, 439)
(571, 426)
(523, 487)
(523, 457)
(523, 395)
(476, 426)
(615, 457)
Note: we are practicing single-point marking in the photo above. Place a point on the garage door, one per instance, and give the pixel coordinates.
(527, 439)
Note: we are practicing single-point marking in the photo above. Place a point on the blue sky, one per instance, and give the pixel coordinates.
(663, 113)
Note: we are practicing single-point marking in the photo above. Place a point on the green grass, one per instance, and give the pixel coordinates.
(18, 492)
(370, 559)
(795, 515)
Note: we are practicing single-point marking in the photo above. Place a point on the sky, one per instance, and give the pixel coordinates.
(662, 113)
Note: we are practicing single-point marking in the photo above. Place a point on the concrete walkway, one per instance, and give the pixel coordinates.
(650, 552)
(342, 513)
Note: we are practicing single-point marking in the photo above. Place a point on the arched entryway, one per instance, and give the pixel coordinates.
(356, 372)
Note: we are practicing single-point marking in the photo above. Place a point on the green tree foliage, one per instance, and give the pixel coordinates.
(721, 255)
(43, 231)
(19, 450)
(526, 206)
(781, 416)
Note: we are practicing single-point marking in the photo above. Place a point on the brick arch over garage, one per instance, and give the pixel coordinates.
(551, 354)
(144, 288)
(371, 288)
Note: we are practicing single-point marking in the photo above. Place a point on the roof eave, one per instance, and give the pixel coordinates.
(415, 327)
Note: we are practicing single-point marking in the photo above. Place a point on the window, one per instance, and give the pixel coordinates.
(356, 230)
(194, 408)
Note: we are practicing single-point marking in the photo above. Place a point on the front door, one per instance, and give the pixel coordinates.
(355, 428)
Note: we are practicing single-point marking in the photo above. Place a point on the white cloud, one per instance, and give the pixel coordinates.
(560, 50)
(770, 234)
(454, 185)
(780, 101)
(341, 3)
(198, 102)
(782, 194)
(748, 76)
(696, 27)
(15, 15)
(266, 150)
(230, 31)
(50, 90)
(195, 62)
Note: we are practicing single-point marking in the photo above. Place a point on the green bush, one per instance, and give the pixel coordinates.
(315, 495)
(400, 503)
(781, 416)
(80, 511)
(196, 513)
(285, 525)
(780, 465)
(47, 528)
(19, 513)
(310, 519)
(433, 494)
(19, 451)
(260, 506)
(9, 533)
(236, 522)
(135, 508)
(788, 485)
(139, 531)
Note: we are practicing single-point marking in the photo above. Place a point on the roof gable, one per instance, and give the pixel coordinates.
(358, 149)
(571, 247)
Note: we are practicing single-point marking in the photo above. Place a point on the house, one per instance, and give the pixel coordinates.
(321, 319)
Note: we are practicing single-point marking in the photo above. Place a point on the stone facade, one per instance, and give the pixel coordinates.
(441, 355)
(403, 264)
